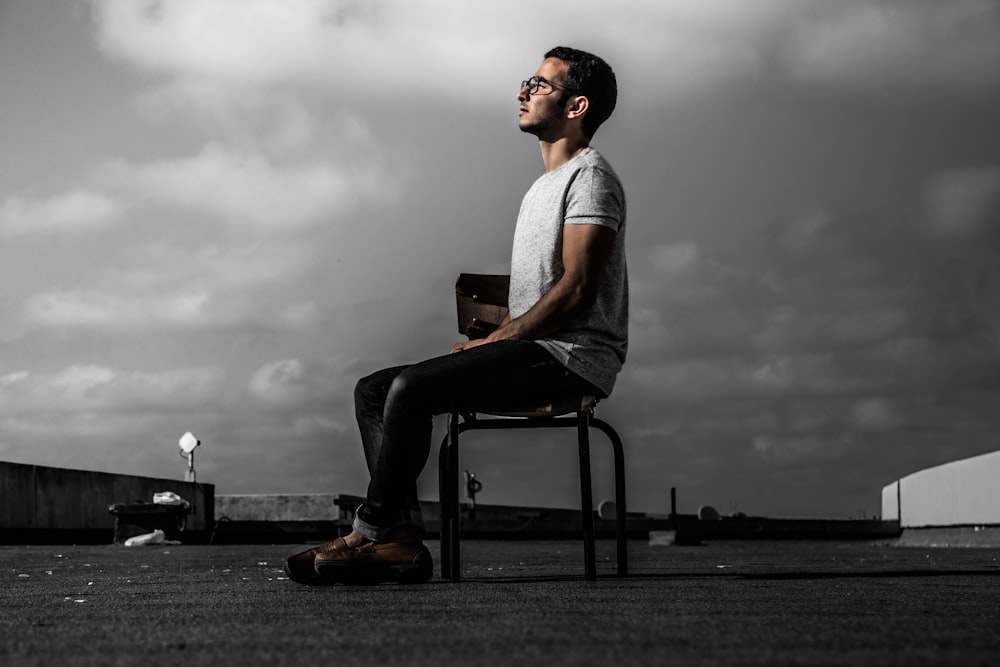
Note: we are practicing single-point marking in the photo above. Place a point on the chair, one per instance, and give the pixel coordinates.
(482, 305)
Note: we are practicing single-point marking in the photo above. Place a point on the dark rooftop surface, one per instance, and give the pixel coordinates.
(521, 603)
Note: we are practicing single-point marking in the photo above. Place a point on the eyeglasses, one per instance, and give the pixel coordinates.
(536, 83)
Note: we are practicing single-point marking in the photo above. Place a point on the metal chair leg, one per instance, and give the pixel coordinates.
(586, 497)
(621, 527)
(445, 507)
(454, 513)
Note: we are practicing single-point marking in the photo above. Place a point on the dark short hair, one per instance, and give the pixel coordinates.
(591, 77)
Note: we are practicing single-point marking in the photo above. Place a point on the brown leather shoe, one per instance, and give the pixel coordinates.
(373, 563)
(300, 566)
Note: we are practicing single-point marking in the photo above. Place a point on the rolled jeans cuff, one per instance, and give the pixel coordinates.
(380, 533)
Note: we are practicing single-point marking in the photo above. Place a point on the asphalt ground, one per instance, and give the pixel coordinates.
(521, 603)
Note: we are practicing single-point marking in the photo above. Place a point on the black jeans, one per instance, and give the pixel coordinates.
(395, 409)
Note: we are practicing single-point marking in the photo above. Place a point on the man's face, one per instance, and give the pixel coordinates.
(540, 112)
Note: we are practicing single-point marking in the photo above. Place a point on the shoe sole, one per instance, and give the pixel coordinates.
(307, 578)
(362, 574)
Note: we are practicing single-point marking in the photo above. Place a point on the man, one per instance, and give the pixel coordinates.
(567, 331)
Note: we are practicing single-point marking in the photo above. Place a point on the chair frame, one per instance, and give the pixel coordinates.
(583, 420)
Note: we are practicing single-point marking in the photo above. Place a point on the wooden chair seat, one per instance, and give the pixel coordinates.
(554, 408)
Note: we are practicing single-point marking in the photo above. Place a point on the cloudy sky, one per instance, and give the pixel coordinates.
(216, 214)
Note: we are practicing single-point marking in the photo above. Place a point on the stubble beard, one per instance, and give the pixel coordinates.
(540, 126)
(542, 122)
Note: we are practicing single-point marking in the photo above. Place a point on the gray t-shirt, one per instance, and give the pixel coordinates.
(584, 191)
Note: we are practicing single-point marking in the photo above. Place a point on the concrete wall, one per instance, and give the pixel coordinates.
(959, 493)
(43, 498)
(278, 507)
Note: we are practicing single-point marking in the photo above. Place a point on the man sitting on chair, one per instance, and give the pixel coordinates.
(566, 333)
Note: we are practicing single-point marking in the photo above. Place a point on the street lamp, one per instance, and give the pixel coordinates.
(187, 444)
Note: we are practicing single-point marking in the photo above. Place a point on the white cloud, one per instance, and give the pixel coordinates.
(738, 376)
(308, 426)
(807, 231)
(675, 257)
(75, 212)
(86, 387)
(317, 43)
(370, 49)
(875, 414)
(296, 383)
(278, 121)
(777, 374)
(164, 286)
(958, 202)
(80, 382)
(794, 449)
(13, 378)
(674, 47)
(868, 326)
(211, 268)
(300, 315)
(280, 382)
(246, 190)
(102, 310)
(684, 273)
(827, 325)
(890, 42)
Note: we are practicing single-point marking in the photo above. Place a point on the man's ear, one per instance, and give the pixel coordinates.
(577, 107)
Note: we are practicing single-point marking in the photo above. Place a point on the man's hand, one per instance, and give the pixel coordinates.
(468, 344)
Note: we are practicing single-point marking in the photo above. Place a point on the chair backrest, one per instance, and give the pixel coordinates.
(481, 301)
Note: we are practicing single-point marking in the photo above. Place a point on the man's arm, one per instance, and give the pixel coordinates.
(585, 252)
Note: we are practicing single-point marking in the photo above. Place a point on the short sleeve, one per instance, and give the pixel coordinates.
(595, 197)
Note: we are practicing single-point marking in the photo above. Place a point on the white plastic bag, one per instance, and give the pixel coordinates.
(155, 537)
(169, 498)
(150, 539)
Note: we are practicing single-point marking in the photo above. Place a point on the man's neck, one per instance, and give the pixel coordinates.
(557, 153)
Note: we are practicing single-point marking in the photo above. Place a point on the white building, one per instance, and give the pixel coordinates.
(954, 504)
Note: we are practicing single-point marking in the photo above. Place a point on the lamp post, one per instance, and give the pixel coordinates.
(472, 487)
(187, 444)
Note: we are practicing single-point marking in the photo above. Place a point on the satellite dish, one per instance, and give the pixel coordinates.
(188, 442)
(708, 513)
(607, 509)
